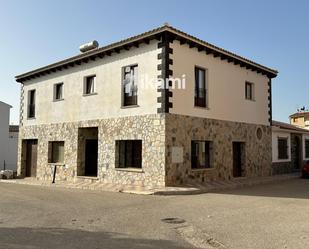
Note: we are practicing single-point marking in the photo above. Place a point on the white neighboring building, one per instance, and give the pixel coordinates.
(4, 131)
(8, 139)
(11, 161)
(290, 147)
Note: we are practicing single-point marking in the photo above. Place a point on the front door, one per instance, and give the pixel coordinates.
(91, 157)
(237, 162)
(31, 157)
(297, 160)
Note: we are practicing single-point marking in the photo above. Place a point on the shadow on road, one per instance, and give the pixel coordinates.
(295, 188)
(26, 238)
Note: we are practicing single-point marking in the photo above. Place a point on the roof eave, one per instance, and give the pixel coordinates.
(135, 40)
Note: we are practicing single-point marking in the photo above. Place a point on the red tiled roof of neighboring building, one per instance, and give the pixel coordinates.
(299, 114)
(286, 126)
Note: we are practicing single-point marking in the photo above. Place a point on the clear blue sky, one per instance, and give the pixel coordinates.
(273, 33)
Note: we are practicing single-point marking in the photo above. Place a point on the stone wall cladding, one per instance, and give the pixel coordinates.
(149, 128)
(180, 130)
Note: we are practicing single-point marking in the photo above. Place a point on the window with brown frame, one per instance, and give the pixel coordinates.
(89, 85)
(129, 154)
(201, 154)
(200, 93)
(56, 152)
(31, 104)
(58, 91)
(249, 91)
(129, 85)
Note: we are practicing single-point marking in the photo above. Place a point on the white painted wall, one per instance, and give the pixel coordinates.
(275, 135)
(107, 102)
(12, 151)
(226, 88)
(4, 131)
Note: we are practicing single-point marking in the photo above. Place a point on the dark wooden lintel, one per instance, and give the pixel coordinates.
(158, 37)
(182, 41)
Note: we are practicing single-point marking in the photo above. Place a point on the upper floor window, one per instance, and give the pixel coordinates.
(282, 148)
(249, 91)
(129, 85)
(200, 94)
(58, 91)
(89, 84)
(31, 104)
(201, 154)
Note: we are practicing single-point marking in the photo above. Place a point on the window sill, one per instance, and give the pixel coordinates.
(89, 94)
(56, 164)
(200, 107)
(31, 118)
(137, 170)
(58, 100)
(88, 177)
(252, 100)
(202, 169)
(129, 106)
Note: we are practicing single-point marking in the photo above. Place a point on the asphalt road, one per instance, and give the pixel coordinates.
(269, 216)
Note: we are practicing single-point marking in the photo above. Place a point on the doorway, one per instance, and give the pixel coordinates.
(297, 151)
(31, 154)
(87, 163)
(91, 157)
(238, 159)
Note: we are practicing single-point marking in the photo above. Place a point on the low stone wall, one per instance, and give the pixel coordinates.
(149, 128)
(180, 130)
(279, 168)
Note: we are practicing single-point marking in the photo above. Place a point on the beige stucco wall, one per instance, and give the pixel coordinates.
(107, 102)
(226, 88)
(275, 135)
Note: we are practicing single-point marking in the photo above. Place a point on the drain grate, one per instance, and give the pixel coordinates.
(173, 220)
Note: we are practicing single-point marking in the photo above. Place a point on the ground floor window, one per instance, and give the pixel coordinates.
(282, 148)
(129, 154)
(201, 154)
(56, 152)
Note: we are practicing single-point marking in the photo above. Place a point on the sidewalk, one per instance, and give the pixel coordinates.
(186, 190)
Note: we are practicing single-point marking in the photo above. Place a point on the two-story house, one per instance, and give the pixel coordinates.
(158, 109)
